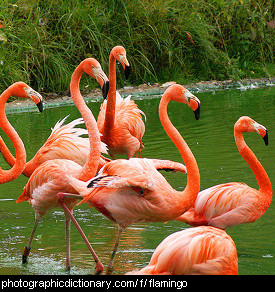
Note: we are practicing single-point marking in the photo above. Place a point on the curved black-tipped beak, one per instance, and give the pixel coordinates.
(197, 112)
(265, 139)
(40, 106)
(127, 71)
(105, 89)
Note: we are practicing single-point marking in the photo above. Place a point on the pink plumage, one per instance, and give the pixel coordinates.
(202, 250)
(234, 203)
(128, 129)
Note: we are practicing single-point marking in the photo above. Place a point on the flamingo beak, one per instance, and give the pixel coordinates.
(265, 137)
(196, 107)
(262, 131)
(40, 106)
(105, 89)
(36, 98)
(126, 65)
(103, 81)
(127, 71)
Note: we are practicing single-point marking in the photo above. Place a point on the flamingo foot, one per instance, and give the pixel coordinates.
(99, 268)
(25, 255)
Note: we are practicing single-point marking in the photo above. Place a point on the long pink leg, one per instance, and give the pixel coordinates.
(68, 244)
(99, 266)
(28, 247)
(110, 267)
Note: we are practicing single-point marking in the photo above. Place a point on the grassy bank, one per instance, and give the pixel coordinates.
(43, 41)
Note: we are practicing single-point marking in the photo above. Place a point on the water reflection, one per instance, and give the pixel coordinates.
(212, 142)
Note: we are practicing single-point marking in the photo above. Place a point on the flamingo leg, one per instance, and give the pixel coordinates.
(110, 267)
(99, 266)
(68, 243)
(28, 247)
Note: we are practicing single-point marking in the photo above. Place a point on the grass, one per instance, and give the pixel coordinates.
(43, 41)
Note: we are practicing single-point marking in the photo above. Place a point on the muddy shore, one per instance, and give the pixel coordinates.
(53, 99)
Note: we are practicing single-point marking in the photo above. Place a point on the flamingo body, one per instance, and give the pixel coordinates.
(128, 191)
(120, 121)
(226, 205)
(202, 250)
(46, 181)
(125, 138)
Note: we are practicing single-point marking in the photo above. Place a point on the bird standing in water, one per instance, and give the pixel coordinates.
(120, 121)
(128, 191)
(50, 178)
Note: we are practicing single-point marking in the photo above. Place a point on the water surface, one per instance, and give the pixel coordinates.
(212, 142)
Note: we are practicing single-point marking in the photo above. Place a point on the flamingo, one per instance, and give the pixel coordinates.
(50, 178)
(203, 250)
(119, 120)
(234, 203)
(128, 191)
(65, 141)
(22, 90)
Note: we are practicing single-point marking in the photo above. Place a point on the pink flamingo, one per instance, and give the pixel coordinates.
(128, 191)
(234, 203)
(65, 141)
(120, 121)
(50, 178)
(202, 250)
(22, 90)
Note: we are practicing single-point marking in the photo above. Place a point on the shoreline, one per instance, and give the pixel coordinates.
(54, 99)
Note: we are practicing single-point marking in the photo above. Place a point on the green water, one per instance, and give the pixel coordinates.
(212, 142)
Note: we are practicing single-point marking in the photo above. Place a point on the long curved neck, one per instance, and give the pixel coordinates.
(89, 169)
(251, 159)
(111, 98)
(16, 170)
(30, 166)
(193, 176)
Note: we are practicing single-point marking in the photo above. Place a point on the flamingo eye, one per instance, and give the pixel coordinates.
(185, 92)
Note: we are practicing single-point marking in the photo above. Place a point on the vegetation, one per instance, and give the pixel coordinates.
(42, 41)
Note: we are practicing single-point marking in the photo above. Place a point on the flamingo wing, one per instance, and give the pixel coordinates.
(47, 180)
(126, 135)
(201, 250)
(169, 165)
(131, 116)
(222, 206)
(121, 173)
(66, 142)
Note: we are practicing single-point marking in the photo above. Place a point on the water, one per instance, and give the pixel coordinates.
(212, 142)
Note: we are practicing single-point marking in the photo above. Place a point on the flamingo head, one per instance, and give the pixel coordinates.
(21, 89)
(119, 53)
(180, 94)
(246, 124)
(93, 68)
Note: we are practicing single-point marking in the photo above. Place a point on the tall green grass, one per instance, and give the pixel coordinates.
(43, 41)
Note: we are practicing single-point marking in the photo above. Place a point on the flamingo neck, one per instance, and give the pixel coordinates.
(251, 159)
(111, 97)
(89, 169)
(189, 194)
(30, 166)
(16, 170)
